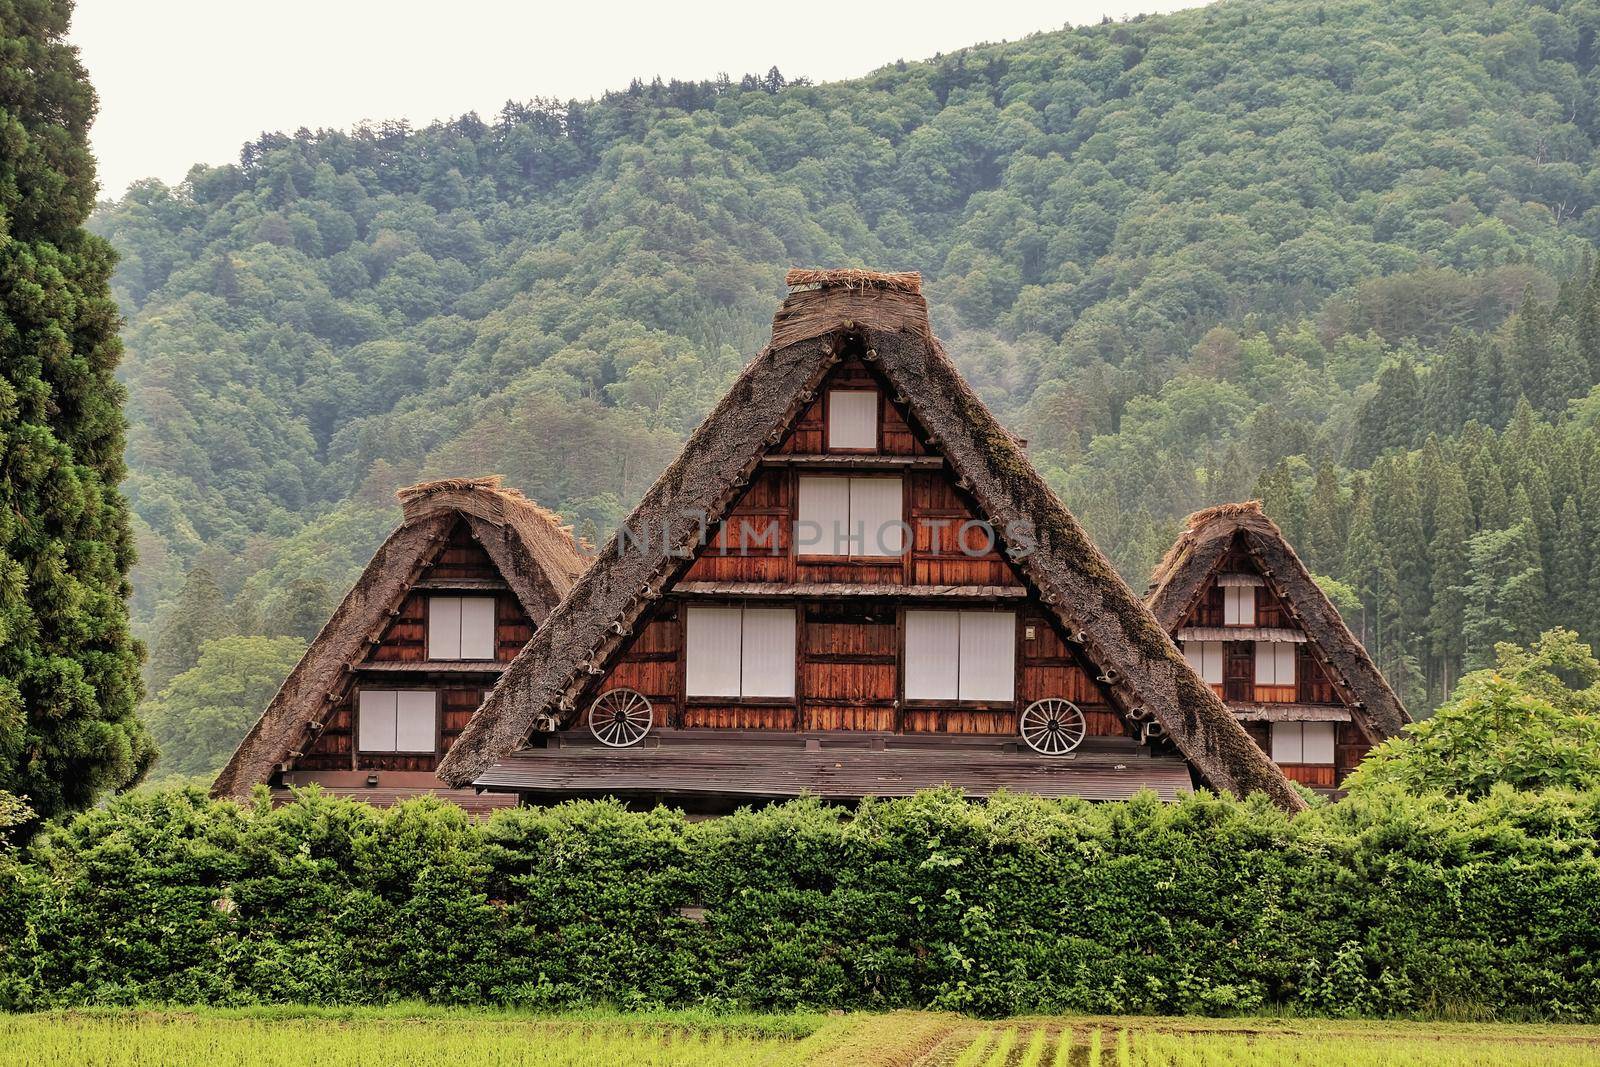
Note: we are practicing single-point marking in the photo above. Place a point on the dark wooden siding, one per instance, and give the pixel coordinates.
(849, 650)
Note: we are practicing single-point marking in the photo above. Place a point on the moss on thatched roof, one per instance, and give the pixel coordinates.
(1094, 605)
(1185, 571)
(535, 554)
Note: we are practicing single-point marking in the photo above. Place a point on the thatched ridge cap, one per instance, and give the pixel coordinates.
(485, 496)
(905, 281)
(1233, 511)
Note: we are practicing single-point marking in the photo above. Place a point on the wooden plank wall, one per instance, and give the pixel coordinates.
(848, 678)
(848, 651)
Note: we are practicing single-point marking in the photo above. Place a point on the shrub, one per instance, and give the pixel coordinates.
(1383, 904)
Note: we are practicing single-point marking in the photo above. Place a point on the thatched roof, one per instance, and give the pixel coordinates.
(1181, 578)
(535, 554)
(1147, 674)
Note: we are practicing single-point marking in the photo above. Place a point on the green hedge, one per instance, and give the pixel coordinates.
(1372, 906)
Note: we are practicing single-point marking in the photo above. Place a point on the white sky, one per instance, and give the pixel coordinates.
(189, 81)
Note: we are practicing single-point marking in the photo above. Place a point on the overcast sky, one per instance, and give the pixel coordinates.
(189, 81)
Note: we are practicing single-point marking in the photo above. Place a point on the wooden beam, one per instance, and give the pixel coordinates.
(849, 591)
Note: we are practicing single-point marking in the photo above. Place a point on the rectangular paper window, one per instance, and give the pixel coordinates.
(414, 722)
(852, 419)
(1275, 663)
(1316, 742)
(477, 627)
(875, 508)
(1287, 746)
(933, 651)
(712, 655)
(1206, 658)
(824, 517)
(844, 516)
(444, 627)
(1238, 605)
(377, 720)
(767, 662)
(391, 721)
(988, 655)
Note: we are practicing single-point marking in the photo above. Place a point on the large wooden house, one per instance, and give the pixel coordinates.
(388, 684)
(1266, 639)
(852, 582)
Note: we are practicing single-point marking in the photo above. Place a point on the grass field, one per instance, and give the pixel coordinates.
(411, 1037)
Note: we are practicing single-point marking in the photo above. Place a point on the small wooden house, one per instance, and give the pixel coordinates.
(852, 582)
(1266, 639)
(445, 604)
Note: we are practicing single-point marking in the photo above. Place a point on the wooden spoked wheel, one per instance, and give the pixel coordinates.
(620, 717)
(1053, 726)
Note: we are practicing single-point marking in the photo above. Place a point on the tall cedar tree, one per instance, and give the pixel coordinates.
(69, 668)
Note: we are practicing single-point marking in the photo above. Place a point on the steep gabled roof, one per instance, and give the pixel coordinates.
(535, 554)
(1183, 573)
(1096, 607)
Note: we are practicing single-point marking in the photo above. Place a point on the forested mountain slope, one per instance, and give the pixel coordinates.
(1178, 254)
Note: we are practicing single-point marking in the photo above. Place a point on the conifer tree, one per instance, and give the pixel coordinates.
(199, 614)
(1569, 573)
(1505, 591)
(1363, 564)
(1283, 501)
(1325, 522)
(1447, 559)
(69, 668)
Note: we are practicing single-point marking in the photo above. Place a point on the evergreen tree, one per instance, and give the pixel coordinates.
(1569, 573)
(1326, 516)
(301, 611)
(1363, 565)
(1504, 593)
(1282, 500)
(1447, 560)
(1587, 331)
(69, 667)
(1397, 517)
(1489, 492)
(199, 614)
(1391, 417)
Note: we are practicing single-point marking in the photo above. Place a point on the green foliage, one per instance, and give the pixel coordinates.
(203, 713)
(68, 663)
(1532, 721)
(14, 812)
(1382, 904)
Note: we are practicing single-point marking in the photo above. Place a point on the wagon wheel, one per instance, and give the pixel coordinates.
(620, 717)
(1053, 726)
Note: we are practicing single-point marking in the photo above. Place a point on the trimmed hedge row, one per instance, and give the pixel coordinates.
(1372, 906)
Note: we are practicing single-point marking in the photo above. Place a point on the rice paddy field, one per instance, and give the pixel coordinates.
(418, 1036)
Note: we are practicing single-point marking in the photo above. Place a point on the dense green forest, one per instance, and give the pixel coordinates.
(1334, 254)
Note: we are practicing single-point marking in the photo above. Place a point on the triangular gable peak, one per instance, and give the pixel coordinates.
(1232, 590)
(835, 328)
(461, 538)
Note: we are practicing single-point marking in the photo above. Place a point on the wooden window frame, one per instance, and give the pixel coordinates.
(686, 699)
(462, 598)
(810, 559)
(827, 421)
(956, 703)
(356, 751)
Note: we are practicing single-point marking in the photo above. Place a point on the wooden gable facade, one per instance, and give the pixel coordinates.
(851, 583)
(1253, 623)
(390, 683)
(849, 611)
